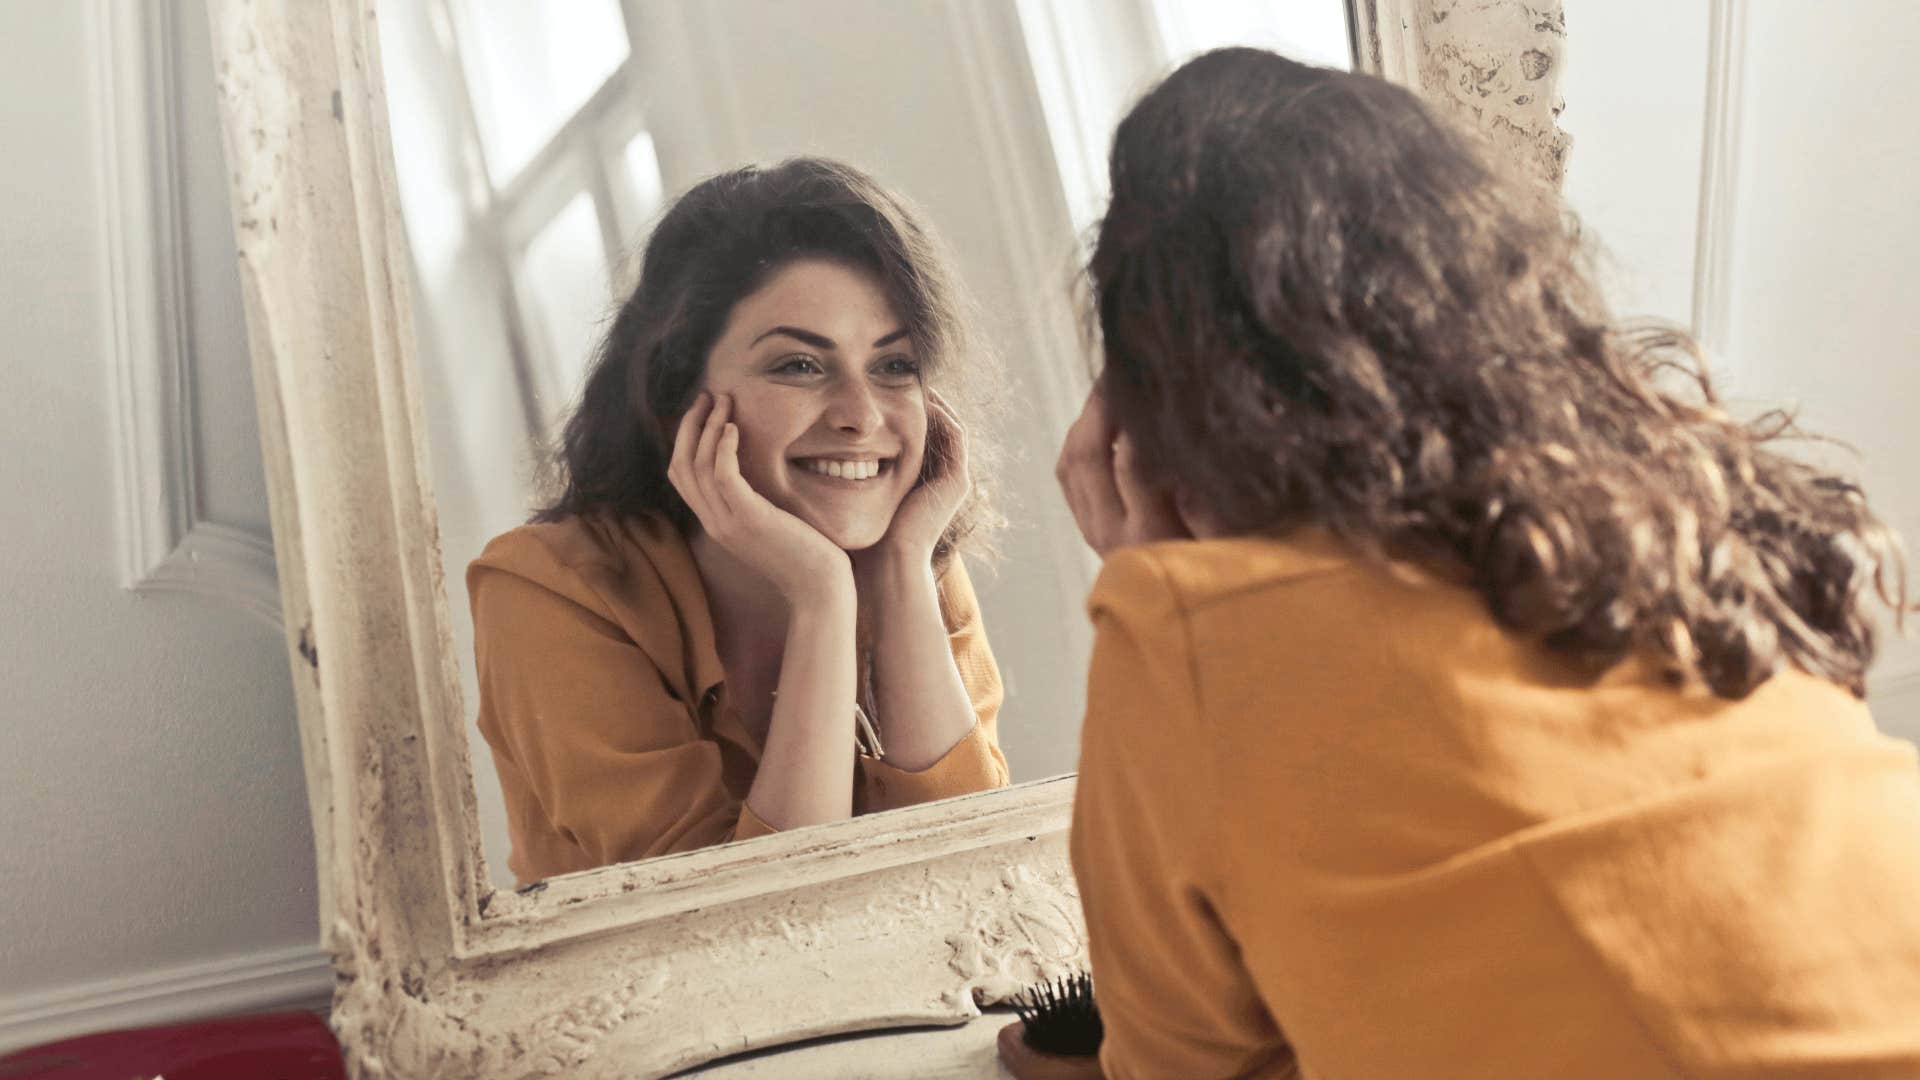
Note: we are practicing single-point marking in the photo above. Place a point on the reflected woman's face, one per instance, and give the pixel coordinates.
(827, 395)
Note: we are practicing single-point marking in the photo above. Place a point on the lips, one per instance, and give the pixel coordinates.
(855, 469)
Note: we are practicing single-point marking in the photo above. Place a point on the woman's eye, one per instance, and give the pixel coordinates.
(798, 365)
(900, 367)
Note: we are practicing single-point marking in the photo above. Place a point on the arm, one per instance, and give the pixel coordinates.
(806, 769)
(1175, 999)
(924, 710)
(936, 686)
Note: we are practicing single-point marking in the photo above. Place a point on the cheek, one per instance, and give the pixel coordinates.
(766, 421)
(759, 456)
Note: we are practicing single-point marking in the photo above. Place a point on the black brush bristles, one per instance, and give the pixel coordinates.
(1061, 1017)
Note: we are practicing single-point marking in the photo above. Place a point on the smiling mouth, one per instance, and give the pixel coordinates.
(845, 468)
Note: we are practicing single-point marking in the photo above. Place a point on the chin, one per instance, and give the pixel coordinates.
(851, 524)
(853, 537)
(855, 531)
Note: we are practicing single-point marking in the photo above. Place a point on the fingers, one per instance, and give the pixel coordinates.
(680, 470)
(706, 451)
(1085, 471)
(688, 435)
(729, 486)
(695, 447)
(703, 454)
(947, 442)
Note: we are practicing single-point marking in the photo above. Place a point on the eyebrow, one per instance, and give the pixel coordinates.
(808, 337)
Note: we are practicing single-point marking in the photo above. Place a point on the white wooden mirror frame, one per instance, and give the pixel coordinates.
(912, 917)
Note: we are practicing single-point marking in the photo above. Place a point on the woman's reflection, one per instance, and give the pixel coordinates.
(745, 611)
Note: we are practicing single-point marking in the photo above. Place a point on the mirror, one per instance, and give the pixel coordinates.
(917, 916)
(535, 148)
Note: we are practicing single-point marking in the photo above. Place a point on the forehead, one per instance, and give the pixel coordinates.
(827, 298)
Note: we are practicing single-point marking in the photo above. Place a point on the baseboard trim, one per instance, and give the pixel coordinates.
(287, 978)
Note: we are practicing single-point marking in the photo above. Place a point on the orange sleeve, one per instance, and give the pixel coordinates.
(580, 719)
(975, 763)
(1173, 995)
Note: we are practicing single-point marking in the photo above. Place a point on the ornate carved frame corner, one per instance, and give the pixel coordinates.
(1495, 65)
(913, 917)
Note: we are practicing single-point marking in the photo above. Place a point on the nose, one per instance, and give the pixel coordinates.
(853, 410)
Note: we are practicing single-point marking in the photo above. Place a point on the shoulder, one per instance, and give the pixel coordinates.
(586, 545)
(592, 560)
(1252, 609)
(1181, 578)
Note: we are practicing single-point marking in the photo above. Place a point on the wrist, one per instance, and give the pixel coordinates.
(826, 587)
(893, 566)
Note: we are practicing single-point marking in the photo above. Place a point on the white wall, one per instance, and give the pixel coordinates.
(1805, 284)
(1634, 176)
(1827, 252)
(156, 859)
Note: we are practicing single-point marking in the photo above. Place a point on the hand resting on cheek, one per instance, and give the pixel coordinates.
(927, 510)
(705, 470)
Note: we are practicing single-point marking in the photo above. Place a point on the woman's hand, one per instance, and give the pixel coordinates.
(928, 508)
(705, 470)
(922, 703)
(1112, 505)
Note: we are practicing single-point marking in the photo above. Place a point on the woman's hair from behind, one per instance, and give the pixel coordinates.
(1322, 304)
(716, 245)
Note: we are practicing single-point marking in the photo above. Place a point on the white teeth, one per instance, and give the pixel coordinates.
(843, 470)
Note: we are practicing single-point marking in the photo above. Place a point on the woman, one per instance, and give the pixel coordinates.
(1465, 701)
(752, 566)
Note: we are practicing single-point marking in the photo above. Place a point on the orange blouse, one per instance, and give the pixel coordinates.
(1333, 821)
(604, 703)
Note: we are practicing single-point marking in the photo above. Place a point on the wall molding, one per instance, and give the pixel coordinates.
(1719, 170)
(299, 977)
(165, 544)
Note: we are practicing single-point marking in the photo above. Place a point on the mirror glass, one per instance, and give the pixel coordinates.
(537, 145)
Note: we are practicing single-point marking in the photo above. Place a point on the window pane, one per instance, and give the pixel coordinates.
(423, 89)
(562, 280)
(643, 175)
(531, 66)
(1311, 31)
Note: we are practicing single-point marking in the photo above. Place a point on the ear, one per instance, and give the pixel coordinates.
(1199, 522)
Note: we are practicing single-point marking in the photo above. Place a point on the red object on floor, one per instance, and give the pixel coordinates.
(271, 1046)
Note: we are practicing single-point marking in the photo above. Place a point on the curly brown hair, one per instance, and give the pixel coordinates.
(716, 245)
(1323, 304)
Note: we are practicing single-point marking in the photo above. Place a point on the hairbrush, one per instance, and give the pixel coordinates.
(1060, 1017)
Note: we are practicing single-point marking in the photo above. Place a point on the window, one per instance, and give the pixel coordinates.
(1092, 58)
(525, 168)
